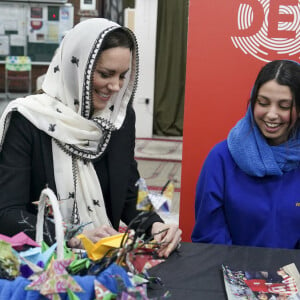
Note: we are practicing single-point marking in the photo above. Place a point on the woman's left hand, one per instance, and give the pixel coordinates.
(169, 237)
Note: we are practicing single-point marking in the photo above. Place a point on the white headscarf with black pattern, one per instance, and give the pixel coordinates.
(65, 113)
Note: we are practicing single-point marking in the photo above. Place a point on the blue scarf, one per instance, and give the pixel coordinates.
(254, 156)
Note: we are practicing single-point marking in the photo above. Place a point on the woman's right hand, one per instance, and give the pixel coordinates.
(93, 234)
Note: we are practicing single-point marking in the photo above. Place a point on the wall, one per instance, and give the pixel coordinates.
(38, 70)
(18, 86)
(228, 42)
(80, 14)
(27, 26)
(145, 30)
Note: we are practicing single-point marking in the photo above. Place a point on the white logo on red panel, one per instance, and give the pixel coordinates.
(268, 29)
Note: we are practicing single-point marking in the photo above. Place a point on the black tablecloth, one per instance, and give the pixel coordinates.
(194, 271)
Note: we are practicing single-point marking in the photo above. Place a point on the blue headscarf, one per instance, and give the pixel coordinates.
(255, 156)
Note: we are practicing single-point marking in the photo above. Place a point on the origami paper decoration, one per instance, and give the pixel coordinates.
(19, 240)
(130, 293)
(8, 261)
(48, 269)
(137, 279)
(71, 295)
(159, 202)
(101, 292)
(55, 280)
(96, 251)
(36, 254)
(72, 230)
(142, 259)
(34, 260)
(138, 292)
(79, 264)
(108, 278)
(29, 269)
(123, 291)
(123, 248)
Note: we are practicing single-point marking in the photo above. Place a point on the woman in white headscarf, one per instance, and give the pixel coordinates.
(78, 137)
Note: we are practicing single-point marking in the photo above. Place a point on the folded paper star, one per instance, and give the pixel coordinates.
(55, 280)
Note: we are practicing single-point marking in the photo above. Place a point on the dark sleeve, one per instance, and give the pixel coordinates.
(130, 211)
(19, 153)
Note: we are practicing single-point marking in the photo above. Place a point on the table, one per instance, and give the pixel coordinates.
(194, 271)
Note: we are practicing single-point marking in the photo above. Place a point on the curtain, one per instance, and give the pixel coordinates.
(113, 10)
(171, 44)
(128, 3)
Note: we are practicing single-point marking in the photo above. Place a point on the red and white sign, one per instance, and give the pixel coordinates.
(228, 43)
(268, 29)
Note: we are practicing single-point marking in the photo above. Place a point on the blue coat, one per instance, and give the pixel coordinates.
(235, 208)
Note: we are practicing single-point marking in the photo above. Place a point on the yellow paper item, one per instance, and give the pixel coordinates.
(143, 202)
(96, 251)
(169, 190)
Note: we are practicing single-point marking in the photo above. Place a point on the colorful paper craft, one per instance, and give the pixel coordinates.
(55, 280)
(149, 201)
(96, 251)
(19, 240)
(101, 292)
(142, 259)
(8, 261)
(36, 255)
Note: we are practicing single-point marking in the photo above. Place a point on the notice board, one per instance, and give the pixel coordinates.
(33, 29)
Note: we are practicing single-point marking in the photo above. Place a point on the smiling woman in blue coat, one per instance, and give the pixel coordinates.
(248, 191)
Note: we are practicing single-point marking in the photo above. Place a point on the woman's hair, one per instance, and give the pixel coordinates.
(284, 72)
(119, 37)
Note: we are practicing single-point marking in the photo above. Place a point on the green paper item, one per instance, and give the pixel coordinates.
(8, 261)
(68, 253)
(138, 280)
(47, 282)
(45, 247)
(71, 295)
(110, 296)
(79, 264)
